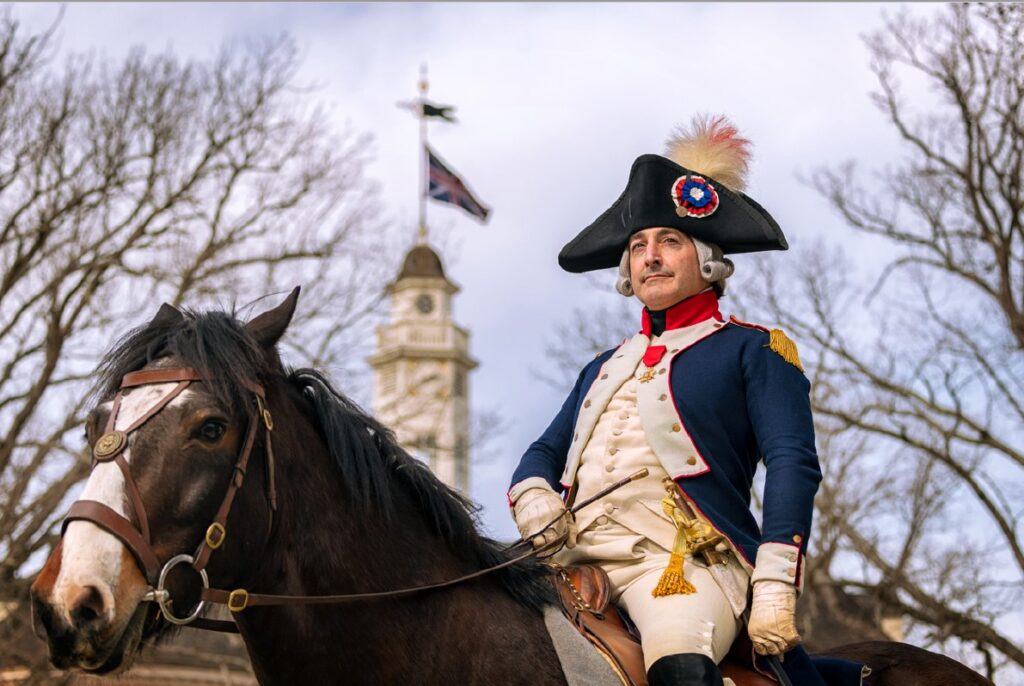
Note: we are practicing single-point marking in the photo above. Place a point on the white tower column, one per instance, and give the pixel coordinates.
(421, 369)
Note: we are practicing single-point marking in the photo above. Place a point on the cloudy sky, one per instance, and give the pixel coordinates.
(554, 103)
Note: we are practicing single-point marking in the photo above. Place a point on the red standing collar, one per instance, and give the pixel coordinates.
(693, 310)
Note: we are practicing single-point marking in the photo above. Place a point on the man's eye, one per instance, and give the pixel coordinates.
(211, 430)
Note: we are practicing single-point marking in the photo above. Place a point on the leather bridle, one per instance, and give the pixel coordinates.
(110, 447)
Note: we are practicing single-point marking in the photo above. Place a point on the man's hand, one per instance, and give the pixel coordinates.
(538, 506)
(772, 625)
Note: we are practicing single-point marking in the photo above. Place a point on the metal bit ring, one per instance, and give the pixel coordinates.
(163, 598)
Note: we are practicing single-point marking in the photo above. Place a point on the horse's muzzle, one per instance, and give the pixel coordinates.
(84, 637)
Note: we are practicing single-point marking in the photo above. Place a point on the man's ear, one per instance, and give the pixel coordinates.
(268, 327)
(167, 315)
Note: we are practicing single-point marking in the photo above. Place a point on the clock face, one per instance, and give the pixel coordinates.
(425, 304)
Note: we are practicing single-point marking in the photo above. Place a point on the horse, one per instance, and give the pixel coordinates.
(331, 504)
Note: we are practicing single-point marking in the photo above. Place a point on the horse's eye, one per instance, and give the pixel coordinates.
(211, 430)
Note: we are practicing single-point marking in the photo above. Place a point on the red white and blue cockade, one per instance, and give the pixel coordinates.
(694, 196)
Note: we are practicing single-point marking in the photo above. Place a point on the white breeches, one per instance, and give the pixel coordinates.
(700, 622)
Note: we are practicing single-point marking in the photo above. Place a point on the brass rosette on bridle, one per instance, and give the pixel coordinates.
(109, 445)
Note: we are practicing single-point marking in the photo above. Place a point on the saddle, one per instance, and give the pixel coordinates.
(584, 592)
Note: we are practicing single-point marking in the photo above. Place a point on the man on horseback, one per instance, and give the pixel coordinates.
(698, 401)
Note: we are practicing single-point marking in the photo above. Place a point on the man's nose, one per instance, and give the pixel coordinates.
(652, 255)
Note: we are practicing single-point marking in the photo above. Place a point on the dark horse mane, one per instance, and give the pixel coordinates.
(370, 462)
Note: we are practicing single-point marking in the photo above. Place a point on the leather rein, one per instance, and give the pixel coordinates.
(110, 447)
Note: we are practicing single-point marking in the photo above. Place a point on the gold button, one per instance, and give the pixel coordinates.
(662, 397)
(792, 557)
(624, 415)
(609, 508)
(691, 460)
(604, 376)
(586, 403)
(602, 520)
(676, 428)
(612, 451)
(575, 437)
(791, 572)
(661, 371)
(674, 350)
(617, 432)
(797, 538)
(609, 468)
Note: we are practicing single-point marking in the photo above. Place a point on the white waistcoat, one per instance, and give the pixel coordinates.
(662, 426)
(617, 448)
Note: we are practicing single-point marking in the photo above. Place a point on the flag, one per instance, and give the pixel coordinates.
(427, 110)
(440, 111)
(444, 185)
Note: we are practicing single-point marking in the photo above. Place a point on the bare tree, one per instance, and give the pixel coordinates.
(918, 376)
(200, 183)
(923, 380)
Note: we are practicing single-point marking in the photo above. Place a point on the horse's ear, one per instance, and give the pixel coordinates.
(268, 327)
(167, 315)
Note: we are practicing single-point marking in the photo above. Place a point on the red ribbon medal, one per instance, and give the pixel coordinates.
(654, 354)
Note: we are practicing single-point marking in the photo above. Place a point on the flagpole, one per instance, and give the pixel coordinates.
(422, 234)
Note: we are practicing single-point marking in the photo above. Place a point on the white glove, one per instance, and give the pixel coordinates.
(772, 625)
(538, 506)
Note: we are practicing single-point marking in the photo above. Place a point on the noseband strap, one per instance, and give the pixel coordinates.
(113, 522)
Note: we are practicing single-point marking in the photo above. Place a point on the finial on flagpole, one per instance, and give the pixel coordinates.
(424, 84)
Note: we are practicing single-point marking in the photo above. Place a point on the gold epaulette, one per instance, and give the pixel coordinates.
(778, 341)
(784, 346)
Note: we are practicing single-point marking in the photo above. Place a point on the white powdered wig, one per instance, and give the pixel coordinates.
(712, 146)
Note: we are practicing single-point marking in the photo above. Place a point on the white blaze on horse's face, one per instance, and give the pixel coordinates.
(92, 559)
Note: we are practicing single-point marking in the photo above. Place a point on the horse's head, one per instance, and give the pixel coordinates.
(167, 449)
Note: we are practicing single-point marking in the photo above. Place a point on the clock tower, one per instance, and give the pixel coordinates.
(421, 368)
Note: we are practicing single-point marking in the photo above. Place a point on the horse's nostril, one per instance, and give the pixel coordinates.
(86, 606)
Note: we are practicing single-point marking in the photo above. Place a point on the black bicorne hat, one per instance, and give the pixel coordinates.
(662, 193)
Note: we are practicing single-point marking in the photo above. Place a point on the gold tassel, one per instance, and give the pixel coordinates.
(785, 347)
(672, 581)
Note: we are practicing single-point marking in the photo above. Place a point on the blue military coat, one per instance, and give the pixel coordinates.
(741, 403)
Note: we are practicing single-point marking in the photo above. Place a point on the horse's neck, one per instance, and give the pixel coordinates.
(323, 547)
(327, 545)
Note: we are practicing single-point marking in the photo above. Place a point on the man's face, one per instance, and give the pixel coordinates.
(663, 267)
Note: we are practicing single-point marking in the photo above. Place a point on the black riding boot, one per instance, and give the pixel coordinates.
(684, 669)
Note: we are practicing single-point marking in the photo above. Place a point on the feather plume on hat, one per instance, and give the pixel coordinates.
(712, 146)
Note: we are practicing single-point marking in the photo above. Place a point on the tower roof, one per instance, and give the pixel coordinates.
(422, 262)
